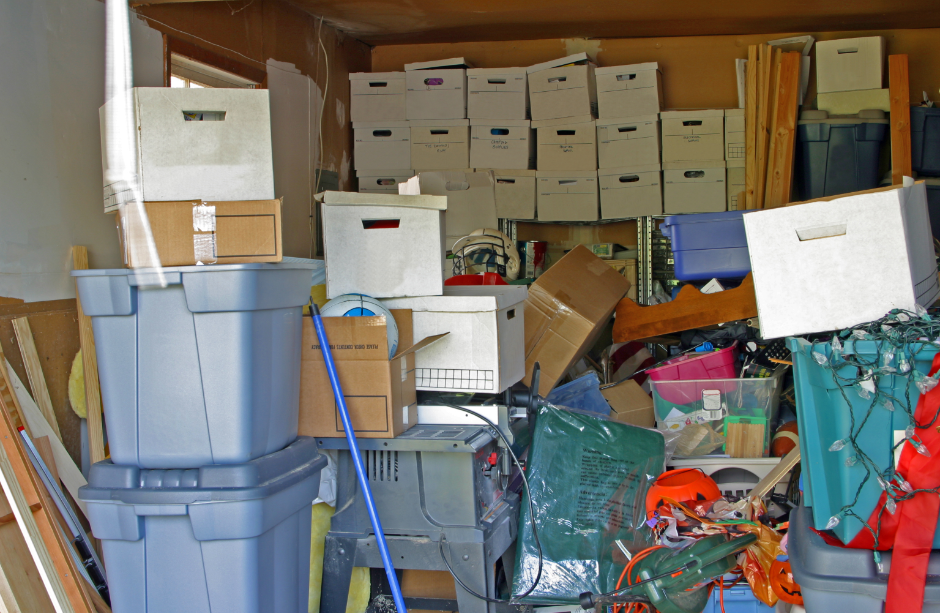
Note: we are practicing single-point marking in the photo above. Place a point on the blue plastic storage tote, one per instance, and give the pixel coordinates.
(828, 483)
(838, 579)
(933, 205)
(708, 245)
(839, 155)
(738, 599)
(232, 539)
(925, 140)
(203, 371)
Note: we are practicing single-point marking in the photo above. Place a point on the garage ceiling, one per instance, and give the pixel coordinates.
(435, 21)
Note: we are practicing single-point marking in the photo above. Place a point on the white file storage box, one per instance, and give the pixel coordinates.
(567, 195)
(630, 141)
(377, 96)
(506, 144)
(497, 93)
(629, 91)
(436, 90)
(632, 191)
(381, 145)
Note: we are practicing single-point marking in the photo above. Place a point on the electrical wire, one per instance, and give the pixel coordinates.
(535, 532)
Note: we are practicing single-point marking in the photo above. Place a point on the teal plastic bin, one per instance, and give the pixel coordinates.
(828, 483)
(738, 599)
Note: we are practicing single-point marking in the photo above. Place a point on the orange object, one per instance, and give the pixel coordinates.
(785, 586)
(785, 439)
(681, 485)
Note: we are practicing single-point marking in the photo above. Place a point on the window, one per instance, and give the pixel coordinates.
(187, 72)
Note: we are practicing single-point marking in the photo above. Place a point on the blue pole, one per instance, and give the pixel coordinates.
(357, 459)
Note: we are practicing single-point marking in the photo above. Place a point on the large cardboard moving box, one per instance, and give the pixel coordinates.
(629, 404)
(565, 310)
(196, 232)
(383, 245)
(836, 262)
(484, 351)
(380, 392)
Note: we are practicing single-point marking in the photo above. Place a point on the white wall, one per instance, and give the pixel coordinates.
(52, 70)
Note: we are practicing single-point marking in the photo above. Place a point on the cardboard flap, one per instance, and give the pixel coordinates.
(424, 342)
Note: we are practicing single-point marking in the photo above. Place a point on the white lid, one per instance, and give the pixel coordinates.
(375, 76)
(380, 124)
(464, 299)
(565, 174)
(626, 121)
(626, 170)
(577, 58)
(692, 114)
(433, 123)
(564, 121)
(509, 123)
(364, 199)
(627, 68)
(495, 71)
(454, 62)
(693, 165)
(508, 174)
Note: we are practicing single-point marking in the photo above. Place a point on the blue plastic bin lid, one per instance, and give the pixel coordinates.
(257, 479)
(675, 220)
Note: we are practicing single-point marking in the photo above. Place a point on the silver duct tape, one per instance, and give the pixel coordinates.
(203, 218)
(204, 248)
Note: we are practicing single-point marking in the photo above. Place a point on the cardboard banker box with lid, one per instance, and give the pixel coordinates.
(196, 232)
(565, 311)
(380, 392)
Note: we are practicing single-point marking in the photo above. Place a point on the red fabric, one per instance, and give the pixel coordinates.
(909, 533)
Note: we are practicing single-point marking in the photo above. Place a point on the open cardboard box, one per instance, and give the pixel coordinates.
(379, 391)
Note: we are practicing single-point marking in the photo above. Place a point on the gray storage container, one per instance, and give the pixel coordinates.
(839, 155)
(839, 579)
(925, 140)
(216, 539)
(203, 371)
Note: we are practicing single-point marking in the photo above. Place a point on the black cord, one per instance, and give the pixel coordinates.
(525, 482)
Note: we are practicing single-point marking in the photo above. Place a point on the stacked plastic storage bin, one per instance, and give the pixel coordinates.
(204, 504)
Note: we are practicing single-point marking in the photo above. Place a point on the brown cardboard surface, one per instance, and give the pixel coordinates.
(567, 306)
(245, 232)
(629, 404)
(375, 389)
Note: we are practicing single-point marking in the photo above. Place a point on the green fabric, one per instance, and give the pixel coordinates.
(589, 479)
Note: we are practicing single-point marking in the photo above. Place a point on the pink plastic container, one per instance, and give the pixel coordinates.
(722, 364)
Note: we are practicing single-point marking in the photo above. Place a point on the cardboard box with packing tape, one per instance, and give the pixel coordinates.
(196, 232)
(379, 390)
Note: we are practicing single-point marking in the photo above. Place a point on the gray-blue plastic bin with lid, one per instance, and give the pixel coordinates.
(839, 579)
(203, 371)
(216, 539)
(925, 140)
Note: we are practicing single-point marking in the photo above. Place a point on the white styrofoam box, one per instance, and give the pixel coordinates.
(507, 144)
(382, 181)
(497, 93)
(736, 184)
(515, 194)
(693, 135)
(436, 90)
(834, 263)
(850, 63)
(562, 88)
(471, 198)
(440, 144)
(192, 144)
(570, 195)
(566, 144)
(632, 191)
(363, 257)
(632, 141)
(485, 350)
(734, 135)
(629, 91)
(378, 145)
(377, 96)
(694, 187)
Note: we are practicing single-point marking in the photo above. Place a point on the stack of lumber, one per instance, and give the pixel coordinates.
(771, 106)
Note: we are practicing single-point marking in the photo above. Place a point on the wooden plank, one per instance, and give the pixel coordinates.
(69, 473)
(783, 134)
(22, 590)
(764, 109)
(765, 485)
(745, 440)
(750, 128)
(90, 364)
(9, 396)
(37, 382)
(44, 447)
(45, 540)
(899, 88)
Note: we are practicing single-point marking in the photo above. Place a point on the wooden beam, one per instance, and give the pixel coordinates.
(765, 102)
(899, 88)
(9, 396)
(750, 129)
(783, 134)
(90, 364)
(37, 382)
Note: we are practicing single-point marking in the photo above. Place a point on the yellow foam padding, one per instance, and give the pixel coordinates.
(359, 586)
(318, 295)
(77, 386)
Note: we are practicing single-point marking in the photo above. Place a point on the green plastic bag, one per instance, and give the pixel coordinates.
(588, 479)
